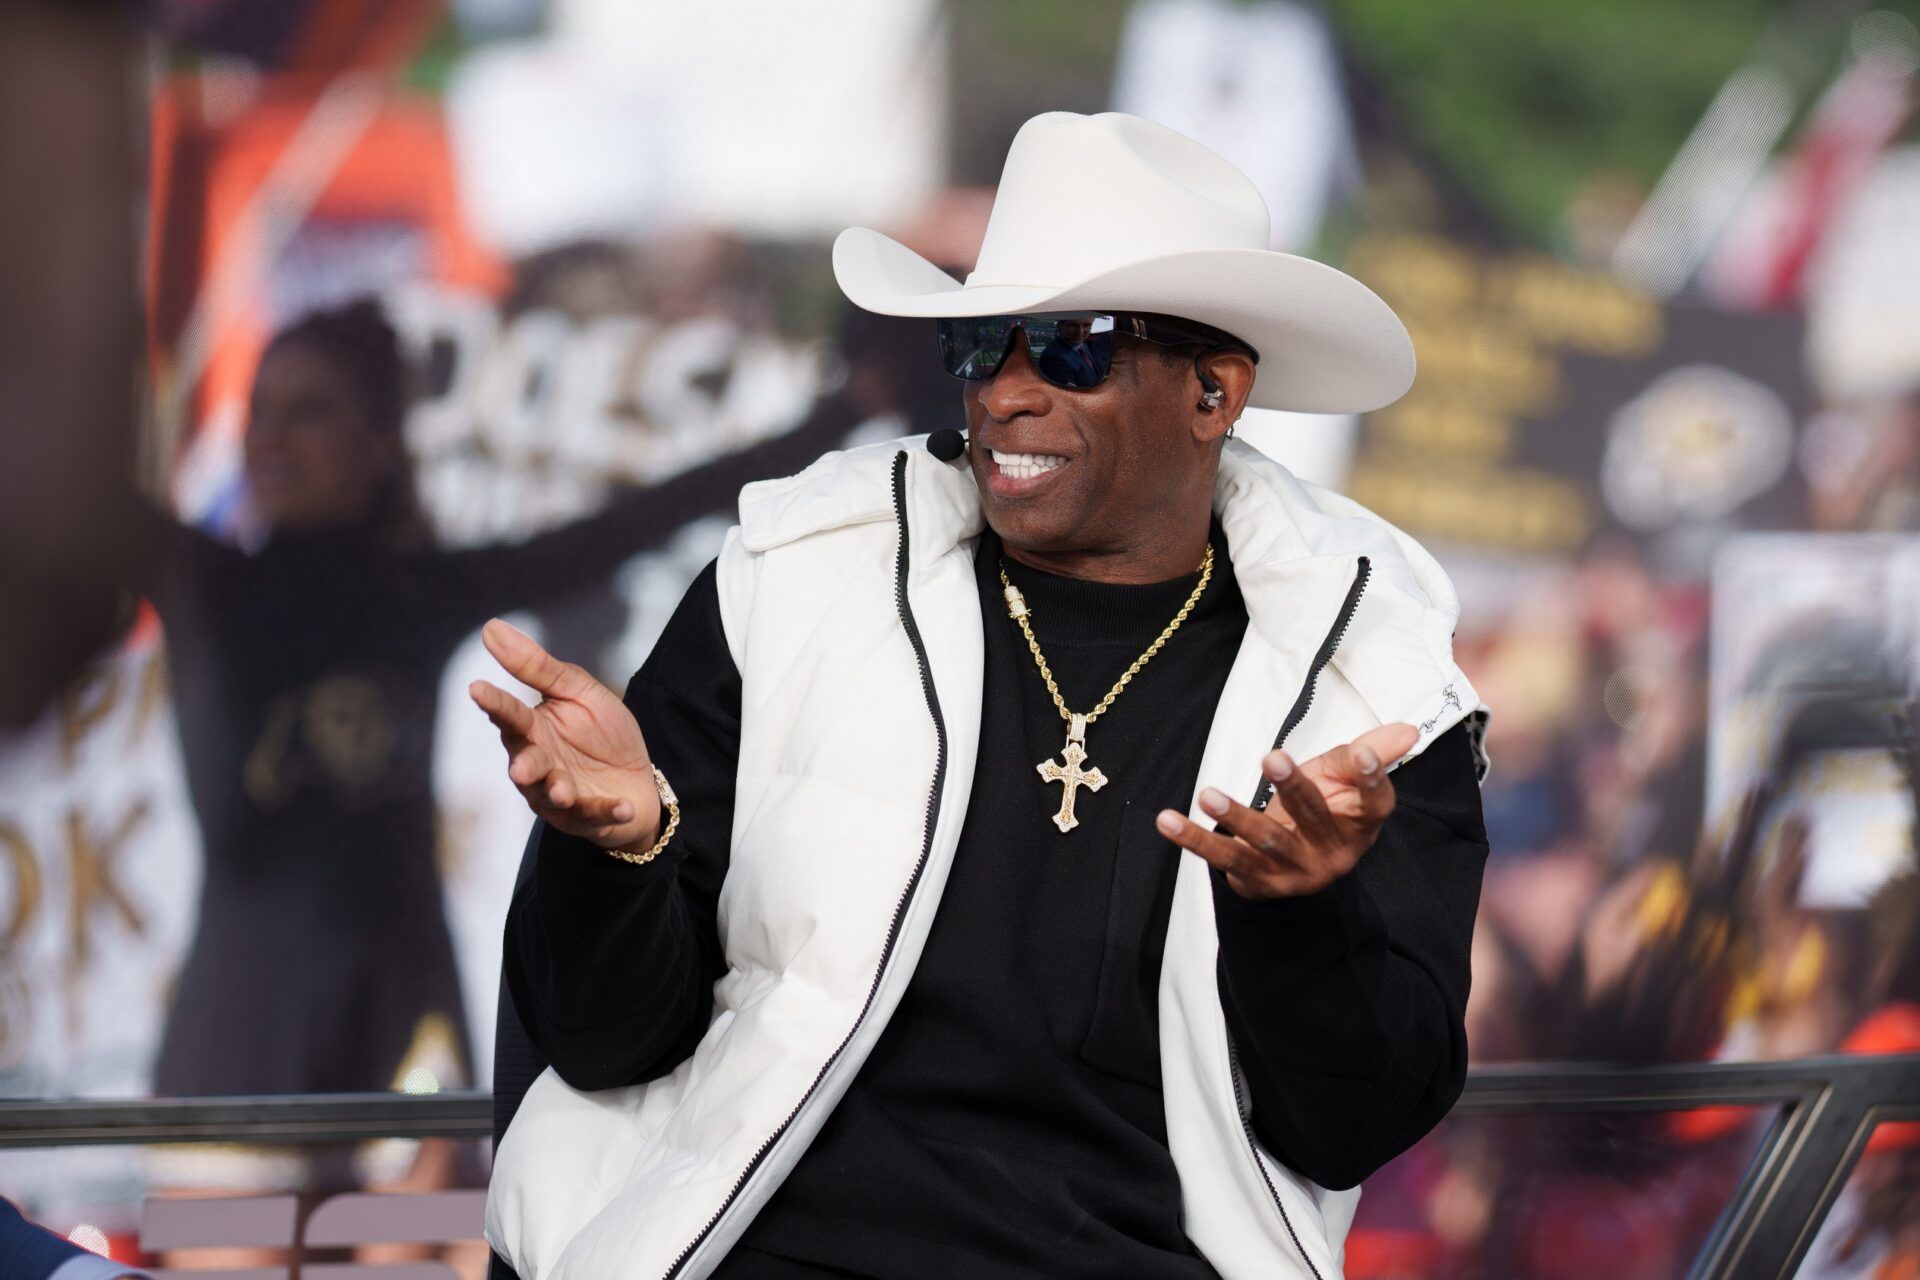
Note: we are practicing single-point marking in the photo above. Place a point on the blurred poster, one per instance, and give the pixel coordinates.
(581, 410)
(92, 911)
(98, 880)
(763, 117)
(1864, 288)
(271, 197)
(1260, 84)
(1554, 405)
(1814, 693)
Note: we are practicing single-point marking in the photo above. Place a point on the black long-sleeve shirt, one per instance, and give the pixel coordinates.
(1009, 1121)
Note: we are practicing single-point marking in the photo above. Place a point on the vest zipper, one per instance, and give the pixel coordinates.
(906, 896)
(1262, 794)
(1323, 655)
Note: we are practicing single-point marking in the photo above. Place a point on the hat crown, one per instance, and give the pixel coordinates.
(1080, 195)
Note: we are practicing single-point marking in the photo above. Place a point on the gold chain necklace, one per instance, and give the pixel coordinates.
(1071, 776)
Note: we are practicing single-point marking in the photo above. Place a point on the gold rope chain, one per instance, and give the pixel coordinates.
(1017, 610)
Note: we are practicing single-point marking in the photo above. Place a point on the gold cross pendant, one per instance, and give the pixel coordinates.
(1072, 775)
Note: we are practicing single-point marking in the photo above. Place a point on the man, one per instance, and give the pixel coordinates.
(1067, 361)
(964, 940)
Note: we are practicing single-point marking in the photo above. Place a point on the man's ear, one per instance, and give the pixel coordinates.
(1230, 373)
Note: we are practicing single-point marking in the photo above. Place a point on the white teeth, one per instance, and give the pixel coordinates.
(1025, 466)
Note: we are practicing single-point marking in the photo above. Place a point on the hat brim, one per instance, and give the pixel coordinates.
(1327, 343)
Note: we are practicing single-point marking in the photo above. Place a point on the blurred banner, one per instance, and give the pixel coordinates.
(1816, 669)
(1555, 406)
(1260, 84)
(267, 846)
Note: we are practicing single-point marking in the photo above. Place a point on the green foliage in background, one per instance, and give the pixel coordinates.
(1524, 101)
(430, 71)
(1528, 99)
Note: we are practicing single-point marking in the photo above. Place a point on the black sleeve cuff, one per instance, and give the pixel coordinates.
(1299, 932)
(581, 879)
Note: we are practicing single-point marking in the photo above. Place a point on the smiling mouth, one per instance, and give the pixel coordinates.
(1025, 466)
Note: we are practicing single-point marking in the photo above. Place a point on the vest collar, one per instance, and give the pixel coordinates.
(1294, 549)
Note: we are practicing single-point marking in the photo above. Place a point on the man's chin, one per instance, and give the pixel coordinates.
(1034, 526)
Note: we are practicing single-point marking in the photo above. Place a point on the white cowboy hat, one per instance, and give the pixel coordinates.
(1115, 213)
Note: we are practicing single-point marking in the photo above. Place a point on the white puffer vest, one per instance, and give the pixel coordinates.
(849, 601)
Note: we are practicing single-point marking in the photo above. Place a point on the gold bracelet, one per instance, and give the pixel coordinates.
(673, 820)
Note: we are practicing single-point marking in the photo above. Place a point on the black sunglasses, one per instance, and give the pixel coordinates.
(1072, 349)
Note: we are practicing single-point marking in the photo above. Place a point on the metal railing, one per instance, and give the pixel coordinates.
(1824, 1109)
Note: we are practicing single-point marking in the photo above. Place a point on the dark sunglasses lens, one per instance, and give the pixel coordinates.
(1070, 349)
(972, 347)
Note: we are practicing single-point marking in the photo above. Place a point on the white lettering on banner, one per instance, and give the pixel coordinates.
(527, 422)
(528, 419)
(97, 878)
(447, 332)
(99, 873)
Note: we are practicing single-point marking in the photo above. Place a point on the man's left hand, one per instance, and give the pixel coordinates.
(1323, 816)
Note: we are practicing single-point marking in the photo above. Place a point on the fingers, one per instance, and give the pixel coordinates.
(508, 713)
(1260, 831)
(550, 790)
(602, 811)
(1317, 850)
(1250, 872)
(1362, 765)
(1304, 845)
(1300, 796)
(525, 660)
(527, 764)
(1387, 743)
(554, 794)
(1370, 782)
(533, 770)
(1221, 851)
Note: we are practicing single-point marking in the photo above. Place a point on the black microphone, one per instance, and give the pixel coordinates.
(946, 444)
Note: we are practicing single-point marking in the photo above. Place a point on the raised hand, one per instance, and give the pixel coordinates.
(578, 757)
(1323, 816)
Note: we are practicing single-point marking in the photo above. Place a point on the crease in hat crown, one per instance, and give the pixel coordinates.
(1114, 213)
(1137, 189)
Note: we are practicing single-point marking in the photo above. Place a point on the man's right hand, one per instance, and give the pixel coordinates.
(578, 757)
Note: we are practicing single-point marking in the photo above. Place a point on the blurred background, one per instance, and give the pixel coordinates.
(408, 312)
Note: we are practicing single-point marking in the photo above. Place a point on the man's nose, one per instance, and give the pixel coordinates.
(1016, 387)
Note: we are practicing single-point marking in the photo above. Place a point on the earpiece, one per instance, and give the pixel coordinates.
(1215, 395)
